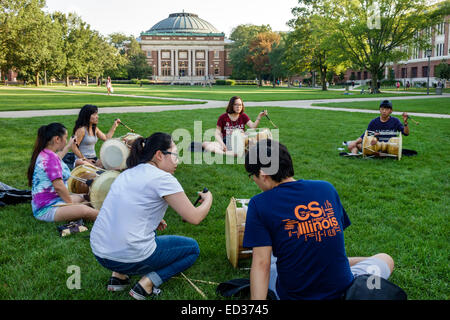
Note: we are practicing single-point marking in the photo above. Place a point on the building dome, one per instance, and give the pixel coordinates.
(183, 23)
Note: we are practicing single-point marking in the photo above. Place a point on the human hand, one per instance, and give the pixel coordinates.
(405, 117)
(117, 122)
(73, 140)
(162, 225)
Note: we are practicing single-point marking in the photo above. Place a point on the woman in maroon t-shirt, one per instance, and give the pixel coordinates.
(233, 118)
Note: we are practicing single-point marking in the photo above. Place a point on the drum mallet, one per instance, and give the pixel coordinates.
(417, 123)
(205, 190)
(271, 122)
(131, 130)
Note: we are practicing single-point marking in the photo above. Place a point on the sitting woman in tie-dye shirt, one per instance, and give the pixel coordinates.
(48, 175)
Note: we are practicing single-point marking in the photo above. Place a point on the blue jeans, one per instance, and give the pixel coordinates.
(173, 254)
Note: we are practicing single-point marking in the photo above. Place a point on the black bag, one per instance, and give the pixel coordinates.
(71, 228)
(372, 287)
(69, 159)
(10, 195)
(239, 288)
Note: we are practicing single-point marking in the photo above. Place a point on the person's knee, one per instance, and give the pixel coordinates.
(90, 213)
(386, 258)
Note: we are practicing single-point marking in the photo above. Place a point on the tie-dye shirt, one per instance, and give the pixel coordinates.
(48, 168)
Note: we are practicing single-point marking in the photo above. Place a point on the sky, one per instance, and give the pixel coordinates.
(132, 17)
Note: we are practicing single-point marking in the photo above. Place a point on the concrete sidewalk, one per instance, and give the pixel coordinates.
(208, 104)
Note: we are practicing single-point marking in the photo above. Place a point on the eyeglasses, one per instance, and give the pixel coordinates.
(172, 153)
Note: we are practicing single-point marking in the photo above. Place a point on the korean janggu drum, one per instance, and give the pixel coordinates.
(114, 152)
(93, 181)
(242, 141)
(236, 214)
(372, 147)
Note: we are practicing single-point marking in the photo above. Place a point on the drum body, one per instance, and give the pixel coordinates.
(372, 147)
(100, 188)
(241, 142)
(234, 231)
(84, 172)
(114, 152)
(100, 183)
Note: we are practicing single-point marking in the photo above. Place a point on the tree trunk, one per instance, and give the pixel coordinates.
(374, 82)
(87, 80)
(323, 78)
(67, 81)
(45, 78)
(37, 79)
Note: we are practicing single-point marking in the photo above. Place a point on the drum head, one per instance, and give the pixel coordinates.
(114, 154)
(100, 188)
(231, 234)
(83, 172)
(238, 142)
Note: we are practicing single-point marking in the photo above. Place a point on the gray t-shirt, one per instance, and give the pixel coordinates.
(124, 230)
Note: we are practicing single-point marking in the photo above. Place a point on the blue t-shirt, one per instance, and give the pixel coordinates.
(303, 222)
(386, 129)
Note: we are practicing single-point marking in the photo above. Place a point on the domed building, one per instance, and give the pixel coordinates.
(186, 49)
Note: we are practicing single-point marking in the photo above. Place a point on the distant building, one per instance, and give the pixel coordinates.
(186, 49)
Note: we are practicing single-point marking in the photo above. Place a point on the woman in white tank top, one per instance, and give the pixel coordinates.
(87, 134)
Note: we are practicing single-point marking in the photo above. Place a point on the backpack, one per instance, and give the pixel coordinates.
(373, 287)
(239, 288)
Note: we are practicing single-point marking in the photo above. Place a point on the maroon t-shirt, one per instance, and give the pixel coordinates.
(227, 125)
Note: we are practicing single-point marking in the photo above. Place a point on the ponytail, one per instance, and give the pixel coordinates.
(44, 135)
(143, 149)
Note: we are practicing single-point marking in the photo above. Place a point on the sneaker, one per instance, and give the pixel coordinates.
(139, 293)
(116, 284)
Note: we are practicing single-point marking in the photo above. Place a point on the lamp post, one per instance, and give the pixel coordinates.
(428, 53)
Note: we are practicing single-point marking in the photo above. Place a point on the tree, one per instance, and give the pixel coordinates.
(259, 49)
(372, 33)
(442, 71)
(241, 36)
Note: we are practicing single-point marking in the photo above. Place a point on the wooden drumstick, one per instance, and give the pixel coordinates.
(271, 122)
(205, 190)
(126, 126)
(417, 123)
(194, 286)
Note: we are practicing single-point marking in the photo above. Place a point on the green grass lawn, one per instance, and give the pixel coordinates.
(18, 99)
(397, 207)
(224, 93)
(435, 105)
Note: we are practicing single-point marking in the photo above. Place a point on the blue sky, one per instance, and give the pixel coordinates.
(134, 16)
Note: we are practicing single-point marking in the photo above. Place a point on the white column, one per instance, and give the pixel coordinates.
(176, 63)
(189, 63)
(207, 63)
(193, 64)
(159, 62)
(172, 66)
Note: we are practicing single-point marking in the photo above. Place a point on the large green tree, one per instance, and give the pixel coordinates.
(373, 33)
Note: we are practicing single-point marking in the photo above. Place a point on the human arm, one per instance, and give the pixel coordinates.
(62, 190)
(110, 133)
(260, 273)
(405, 124)
(254, 125)
(63, 152)
(79, 135)
(219, 137)
(181, 204)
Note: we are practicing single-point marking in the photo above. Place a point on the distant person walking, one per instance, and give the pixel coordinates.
(398, 85)
(109, 86)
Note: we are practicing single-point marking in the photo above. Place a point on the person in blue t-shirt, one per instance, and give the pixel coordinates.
(384, 127)
(295, 228)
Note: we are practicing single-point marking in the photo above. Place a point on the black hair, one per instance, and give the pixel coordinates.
(386, 104)
(143, 149)
(44, 135)
(84, 117)
(272, 155)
